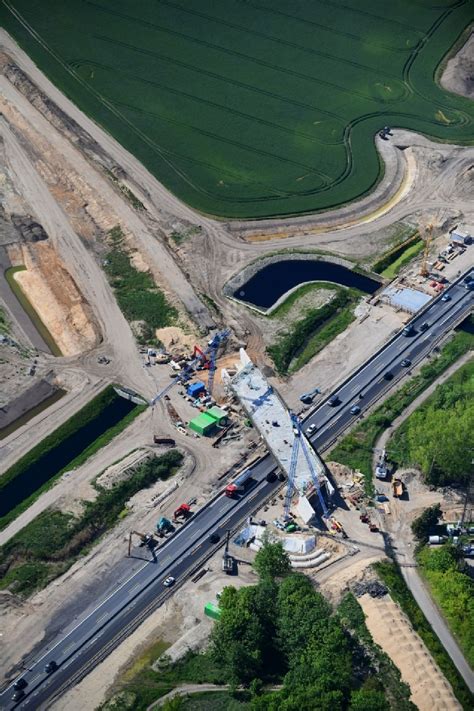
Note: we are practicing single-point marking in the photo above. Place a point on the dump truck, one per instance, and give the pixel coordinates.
(397, 488)
(238, 485)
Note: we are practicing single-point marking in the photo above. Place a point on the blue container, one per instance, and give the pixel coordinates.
(195, 389)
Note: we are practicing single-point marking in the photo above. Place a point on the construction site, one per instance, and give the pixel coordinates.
(203, 378)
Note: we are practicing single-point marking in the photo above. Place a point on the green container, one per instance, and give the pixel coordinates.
(212, 611)
(203, 424)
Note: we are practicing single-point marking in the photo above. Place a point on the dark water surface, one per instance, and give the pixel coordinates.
(51, 463)
(274, 280)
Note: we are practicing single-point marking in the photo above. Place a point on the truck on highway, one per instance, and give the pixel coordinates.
(397, 488)
(238, 485)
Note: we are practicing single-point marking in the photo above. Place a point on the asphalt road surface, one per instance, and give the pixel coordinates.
(384, 369)
(78, 649)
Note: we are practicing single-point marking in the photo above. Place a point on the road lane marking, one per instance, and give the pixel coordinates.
(196, 548)
(135, 587)
(104, 616)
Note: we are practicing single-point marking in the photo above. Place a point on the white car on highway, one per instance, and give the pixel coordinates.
(169, 581)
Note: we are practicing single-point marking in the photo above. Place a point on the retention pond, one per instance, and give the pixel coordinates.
(274, 280)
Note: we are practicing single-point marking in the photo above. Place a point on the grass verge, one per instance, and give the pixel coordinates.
(81, 419)
(144, 686)
(4, 323)
(283, 308)
(141, 302)
(50, 544)
(405, 239)
(313, 332)
(451, 586)
(438, 438)
(392, 577)
(30, 310)
(409, 253)
(356, 449)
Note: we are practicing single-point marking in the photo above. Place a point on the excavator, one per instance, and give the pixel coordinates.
(146, 539)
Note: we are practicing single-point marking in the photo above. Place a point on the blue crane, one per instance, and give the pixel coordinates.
(187, 371)
(299, 441)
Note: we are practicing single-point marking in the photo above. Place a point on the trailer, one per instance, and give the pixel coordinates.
(168, 441)
(238, 485)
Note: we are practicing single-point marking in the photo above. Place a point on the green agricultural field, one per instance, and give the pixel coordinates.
(252, 108)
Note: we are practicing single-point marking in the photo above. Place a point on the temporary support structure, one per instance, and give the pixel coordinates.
(299, 441)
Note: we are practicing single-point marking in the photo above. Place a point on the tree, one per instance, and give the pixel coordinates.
(272, 561)
(368, 700)
(425, 523)
(301, 613)
(242, 640)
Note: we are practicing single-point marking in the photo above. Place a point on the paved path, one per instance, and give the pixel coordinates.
(195, 689)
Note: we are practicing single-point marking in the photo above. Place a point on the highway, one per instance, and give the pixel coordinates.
(78, 649)
(368, 380)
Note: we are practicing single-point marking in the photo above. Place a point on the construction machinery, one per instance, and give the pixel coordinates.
(397, 488)
(300, 442)
(164, 526)
(228, 561)
(424, 271)
(146, 539)
(188, 369)
(183, 511)
(307, 398)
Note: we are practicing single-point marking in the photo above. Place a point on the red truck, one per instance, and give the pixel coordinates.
(238, 485)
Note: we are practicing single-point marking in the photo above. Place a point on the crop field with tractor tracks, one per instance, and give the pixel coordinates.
(253, 108)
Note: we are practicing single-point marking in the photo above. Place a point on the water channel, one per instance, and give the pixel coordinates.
(274, 280)
(53, 461)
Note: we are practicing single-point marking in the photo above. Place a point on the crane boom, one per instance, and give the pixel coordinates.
(189, 368)
(298, 442)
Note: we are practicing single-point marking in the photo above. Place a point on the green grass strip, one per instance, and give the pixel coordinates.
(51, 542)
(452, 588)
(4, 322)
(283, 308)
(408, 254)
(409, 237)
(30, 310)
(392, 577)
(324, 335)
(76, 422)
(310, 334)
(356, 449)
